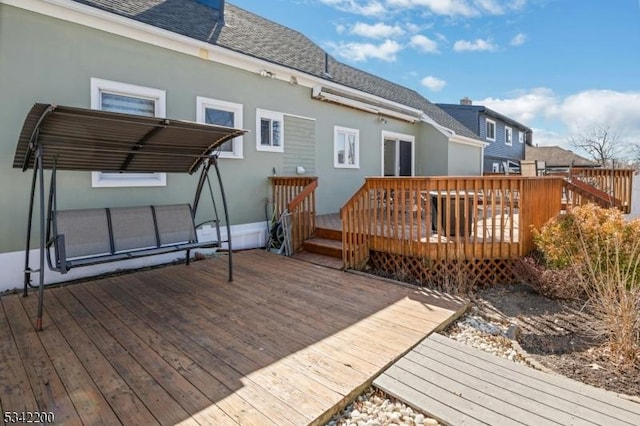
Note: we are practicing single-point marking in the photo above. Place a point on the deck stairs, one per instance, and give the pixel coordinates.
(592, 193)
(324, 248)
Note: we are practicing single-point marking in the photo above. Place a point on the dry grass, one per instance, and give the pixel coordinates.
(596, 252)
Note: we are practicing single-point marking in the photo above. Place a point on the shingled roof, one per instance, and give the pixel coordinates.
(554, 156)
(255, 36)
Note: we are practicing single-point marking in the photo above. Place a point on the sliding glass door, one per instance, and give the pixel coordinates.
(397, 154)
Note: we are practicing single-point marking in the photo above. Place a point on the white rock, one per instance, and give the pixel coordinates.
(419, 419)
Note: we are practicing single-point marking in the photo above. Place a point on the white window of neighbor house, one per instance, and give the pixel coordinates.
(127, 98)
(491, 130)
(508, 136)
(346, 148)
(520, 136)
(495, 167)
(269, 131)
(222, 113)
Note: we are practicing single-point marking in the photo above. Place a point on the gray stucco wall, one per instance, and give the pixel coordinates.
(432, 152)
(464, 160)
(47, 60)
(51, 61)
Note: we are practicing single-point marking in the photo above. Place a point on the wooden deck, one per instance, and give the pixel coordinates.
(461, 385)
(287, 343)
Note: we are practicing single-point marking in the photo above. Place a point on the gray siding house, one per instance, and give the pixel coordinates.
(505, 137)
(212, 62)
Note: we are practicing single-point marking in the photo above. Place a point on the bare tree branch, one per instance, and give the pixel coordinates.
(601, 143)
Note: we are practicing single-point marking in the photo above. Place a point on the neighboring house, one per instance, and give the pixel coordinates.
(216, 63)
(506, 138)
(557, 158)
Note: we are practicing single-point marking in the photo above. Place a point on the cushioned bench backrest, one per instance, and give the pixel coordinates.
(175, 224)
(133, 228)
(86, 232)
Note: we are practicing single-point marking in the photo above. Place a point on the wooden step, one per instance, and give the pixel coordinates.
(319, 259)
(324, 246)
(328, 233)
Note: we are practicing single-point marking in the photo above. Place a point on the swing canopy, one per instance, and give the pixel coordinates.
(65, 138)
(93, 140)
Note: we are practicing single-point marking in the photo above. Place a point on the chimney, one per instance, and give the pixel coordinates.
(466, 101)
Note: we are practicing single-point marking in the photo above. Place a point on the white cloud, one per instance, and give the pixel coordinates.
(340, 28)
(379, 30)
(554, 119)
(618, 110)
(362, 51)
(366, 8)
(525, 107)
(474, 46)
(433, 83)
(462, 8)
(424, 44)
(518, 40)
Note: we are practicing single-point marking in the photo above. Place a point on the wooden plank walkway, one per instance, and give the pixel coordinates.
(459, 385)
(287, 343)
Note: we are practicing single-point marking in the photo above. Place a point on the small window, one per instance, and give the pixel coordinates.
(222, 113)
(520, 137)
(508, 136)
(127, 99)
(269, 131)
(346, 148)
(495, 167)
(491, 130)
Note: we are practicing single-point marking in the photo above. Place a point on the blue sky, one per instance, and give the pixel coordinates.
(560, 67)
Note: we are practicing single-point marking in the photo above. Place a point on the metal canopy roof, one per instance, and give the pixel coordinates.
(92, 140)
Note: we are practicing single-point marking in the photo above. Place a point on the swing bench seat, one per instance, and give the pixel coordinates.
(84, 237)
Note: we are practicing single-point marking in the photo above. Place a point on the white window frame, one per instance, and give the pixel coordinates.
(495, 167)
(487, 121)
(520, 136)
(203, 103)
(118, 180)
(508, 136)
(337, 130)
(272, 115)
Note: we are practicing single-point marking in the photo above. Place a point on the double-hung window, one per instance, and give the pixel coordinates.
(508, 136)
(269, 131)
(222, 113)
(125, 98)
(491, 130)
(346, 148)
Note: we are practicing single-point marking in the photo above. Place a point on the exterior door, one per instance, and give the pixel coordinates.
(397, 156)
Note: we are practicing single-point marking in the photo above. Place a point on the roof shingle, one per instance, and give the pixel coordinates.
(252, 35)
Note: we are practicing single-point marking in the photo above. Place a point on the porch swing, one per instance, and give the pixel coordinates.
(66, 138)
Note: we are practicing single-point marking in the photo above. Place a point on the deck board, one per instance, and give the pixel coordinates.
(286, 343)
(462, 385)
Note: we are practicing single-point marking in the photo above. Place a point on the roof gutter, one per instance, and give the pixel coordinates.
(378, 107)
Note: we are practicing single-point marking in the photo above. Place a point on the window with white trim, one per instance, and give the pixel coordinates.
(495, 167)
(491, 130)
(508, 136)
(520, 136)
(222, 113)
(269, 131)
(126, 98)
(346, 148)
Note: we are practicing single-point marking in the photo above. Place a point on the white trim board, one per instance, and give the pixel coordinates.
(245, 236)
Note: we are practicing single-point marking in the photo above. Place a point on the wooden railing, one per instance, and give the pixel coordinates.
(297, 195)
(447, 217)
(616, 183)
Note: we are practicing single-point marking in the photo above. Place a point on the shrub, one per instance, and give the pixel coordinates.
(601, 250)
